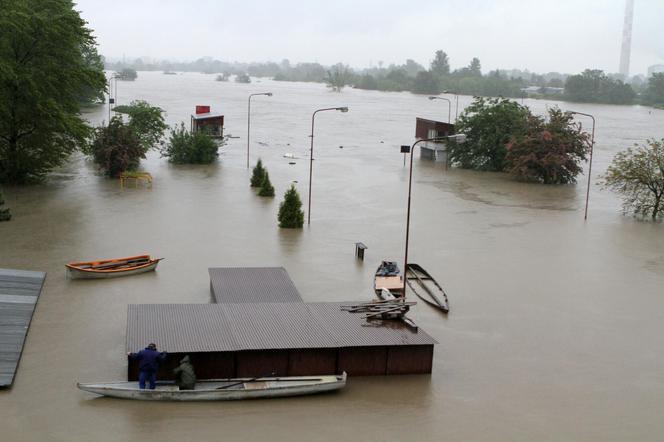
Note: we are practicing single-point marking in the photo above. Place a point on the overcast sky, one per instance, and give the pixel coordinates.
(539, 35)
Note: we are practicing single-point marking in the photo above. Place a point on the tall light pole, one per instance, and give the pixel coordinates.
(268, 94)
(456, 109)
(111, 100)
(590, 163)
(311, 152)
(459, 138)
(449, 106)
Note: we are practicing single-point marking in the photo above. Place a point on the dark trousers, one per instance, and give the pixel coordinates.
(147, 376)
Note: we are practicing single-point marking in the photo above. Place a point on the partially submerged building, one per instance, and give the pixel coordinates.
(204, 119)
(433, 150)
(259, 325)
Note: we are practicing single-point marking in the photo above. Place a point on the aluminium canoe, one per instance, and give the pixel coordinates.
(426, 287)
(222, 389)
(112, 268)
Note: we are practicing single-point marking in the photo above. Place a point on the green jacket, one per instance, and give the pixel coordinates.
(185, 378)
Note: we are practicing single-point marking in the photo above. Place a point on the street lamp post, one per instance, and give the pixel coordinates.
(590, 163)
(268, 94)
(311, 152)
(456, 108)
(449, 107)
(460, 138)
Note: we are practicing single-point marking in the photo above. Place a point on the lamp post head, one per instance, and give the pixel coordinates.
(269, 94)
(342, 109)
(459, 138)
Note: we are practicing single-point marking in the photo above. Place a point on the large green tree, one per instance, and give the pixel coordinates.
(146, 121)
(638, 174)
(594, 86)
(489, 124)
(43, 75)
(549, 150)
(116, 148)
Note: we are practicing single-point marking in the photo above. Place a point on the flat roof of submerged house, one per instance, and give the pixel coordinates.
(230, 327)
(207, 116)
(252, 284)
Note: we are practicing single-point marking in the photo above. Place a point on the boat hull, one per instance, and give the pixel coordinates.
(132, 266)
(239, 389)
(426, 287)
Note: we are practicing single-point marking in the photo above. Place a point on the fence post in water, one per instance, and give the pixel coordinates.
(359, 250)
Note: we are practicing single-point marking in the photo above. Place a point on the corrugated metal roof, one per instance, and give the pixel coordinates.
(182, 328)
(252, 284)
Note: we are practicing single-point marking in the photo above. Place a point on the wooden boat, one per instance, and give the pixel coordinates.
(388, 280)
(111, 268)
(426, 288)
(222, 389)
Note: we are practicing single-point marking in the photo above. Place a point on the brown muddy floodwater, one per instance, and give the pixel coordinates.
(557, 325)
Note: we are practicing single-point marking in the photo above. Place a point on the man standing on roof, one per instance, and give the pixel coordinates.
(148, 364)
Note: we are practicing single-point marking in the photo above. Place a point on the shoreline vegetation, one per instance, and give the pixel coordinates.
(589, 86)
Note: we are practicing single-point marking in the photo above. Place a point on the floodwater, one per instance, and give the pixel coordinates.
(556, 324)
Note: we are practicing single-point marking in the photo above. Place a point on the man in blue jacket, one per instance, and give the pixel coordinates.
(148, 364)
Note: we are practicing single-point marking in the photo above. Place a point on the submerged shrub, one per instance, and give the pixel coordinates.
(258, 174)
(291, 215)
(266, 186)
(185, 147)
(116, 148)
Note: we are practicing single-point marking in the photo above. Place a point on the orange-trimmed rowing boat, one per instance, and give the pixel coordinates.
(111, 268)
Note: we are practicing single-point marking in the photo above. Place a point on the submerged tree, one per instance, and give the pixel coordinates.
(638, 174)
(266, 186)
(44, 75)
(242, 78)
(338, 77)
(548, 152)
(291, 215)
(116, 148)
(127, 74)
(146, 121)
(4, 213)
(490, 124)
(440, 65)
(185, 147)
(258, 174)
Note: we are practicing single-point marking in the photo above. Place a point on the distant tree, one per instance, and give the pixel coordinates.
(116, 148)
(426, 83)
(146, 121)
(44, 75)
(223, 76)
(638, 174)
(266, 186)
(4, 213)
(368, 82)
(337, 77)
(556, 82)
(489, 124)
(593, 86)
(242, 78)
(475, 67)
(654, 93)
(549, 150)
(412, 68)
(258, 174)
(291, 215)
(440, 65)
(185, 147)
(127, 74)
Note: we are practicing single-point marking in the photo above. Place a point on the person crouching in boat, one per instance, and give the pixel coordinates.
(148, 365)
(185, 378)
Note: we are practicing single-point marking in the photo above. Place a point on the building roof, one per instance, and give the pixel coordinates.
(207, 116)
(184, 328)
(252, 284)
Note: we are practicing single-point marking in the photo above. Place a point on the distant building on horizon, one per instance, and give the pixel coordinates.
(655, 69)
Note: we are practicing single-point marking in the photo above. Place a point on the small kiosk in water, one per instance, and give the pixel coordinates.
(212, 123)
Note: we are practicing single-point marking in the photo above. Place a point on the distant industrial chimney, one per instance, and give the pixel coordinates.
(627, 39)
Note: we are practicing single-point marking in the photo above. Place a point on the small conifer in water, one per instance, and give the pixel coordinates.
(291, 215)
(258, 174)
(266, 187)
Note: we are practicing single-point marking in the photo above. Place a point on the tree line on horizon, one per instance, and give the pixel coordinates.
(591, 85)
